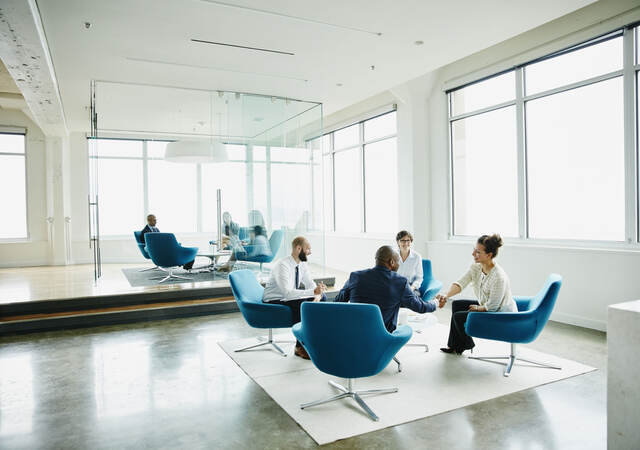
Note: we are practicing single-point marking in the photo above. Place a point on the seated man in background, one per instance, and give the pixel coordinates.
(291, 284)
(382, 286)
(151, 228)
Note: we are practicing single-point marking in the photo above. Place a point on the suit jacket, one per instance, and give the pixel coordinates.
(380, 286)
(148, 229)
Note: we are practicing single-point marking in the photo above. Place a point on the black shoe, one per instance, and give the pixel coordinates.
(188, 266)
(451, 350)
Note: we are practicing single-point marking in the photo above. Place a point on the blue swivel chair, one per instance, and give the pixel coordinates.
(168, 254)
(430, 286)
(519, 327)
(248, 294)
(141, 246)
(275, 241)
(348, 340)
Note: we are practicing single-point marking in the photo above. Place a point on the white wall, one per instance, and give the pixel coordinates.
(34, 250)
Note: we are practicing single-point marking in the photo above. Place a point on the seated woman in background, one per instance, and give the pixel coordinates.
(258, 246)
(410, 261)
(490, 285)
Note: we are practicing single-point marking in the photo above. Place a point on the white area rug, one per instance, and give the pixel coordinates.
(429, 384)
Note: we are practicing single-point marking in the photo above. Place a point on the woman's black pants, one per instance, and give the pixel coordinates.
(459, 340)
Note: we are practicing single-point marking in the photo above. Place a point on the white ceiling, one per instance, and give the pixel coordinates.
(333, 42)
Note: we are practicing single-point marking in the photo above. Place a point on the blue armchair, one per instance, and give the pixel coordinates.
(168, 254)
(141, 246)
(275, 241)
(248, 294)
(430, 286)
(519, 327)
(348, 340)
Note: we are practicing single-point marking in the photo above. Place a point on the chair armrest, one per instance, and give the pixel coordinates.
(431, 289)
(516, 327)
(402, 332)
(298, 332)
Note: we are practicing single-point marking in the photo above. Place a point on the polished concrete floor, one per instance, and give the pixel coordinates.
(167, 384)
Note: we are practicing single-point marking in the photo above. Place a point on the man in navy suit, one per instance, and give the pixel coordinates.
(151, 228)
(382, 286)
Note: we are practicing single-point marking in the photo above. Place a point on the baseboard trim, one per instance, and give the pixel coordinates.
(580, 321)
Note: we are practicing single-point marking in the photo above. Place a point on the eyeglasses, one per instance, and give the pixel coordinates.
(405, 240)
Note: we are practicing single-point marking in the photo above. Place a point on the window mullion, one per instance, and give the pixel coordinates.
(145, 179)
(521, 156)
(630, 155)
(363, 195)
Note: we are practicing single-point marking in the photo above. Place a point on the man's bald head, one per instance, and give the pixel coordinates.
(387, 257)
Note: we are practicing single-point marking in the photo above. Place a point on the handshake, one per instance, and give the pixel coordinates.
(318, 291)
(441, 299)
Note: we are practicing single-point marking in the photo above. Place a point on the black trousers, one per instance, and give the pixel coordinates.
(459, 340)
(295, 306)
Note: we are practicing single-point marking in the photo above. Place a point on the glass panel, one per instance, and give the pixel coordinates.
(347, 137)
(260, 190)
(317, 209)
(485, 190)
(290, 196)
(236, 152)
(13, 203)
(12, 143)
(173, 195)
(348, 185)
(259, 153)
(121, 196)
(381, 186)
(120, 147)
(327, 198)
(282, 154)
(231, 178)
(155, 149)
(485, 93)
(381, 126)
(575, 162)
(578, 65)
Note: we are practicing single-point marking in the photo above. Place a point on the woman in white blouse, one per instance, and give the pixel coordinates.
(490, 285)
(410, 260)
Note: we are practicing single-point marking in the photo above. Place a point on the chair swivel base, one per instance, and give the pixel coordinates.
(268, 341)
(170, 276)
(150, 268)
(356, 395)
(512, 358)
(397, 361)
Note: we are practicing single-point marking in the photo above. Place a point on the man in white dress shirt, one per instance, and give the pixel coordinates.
(291, 284)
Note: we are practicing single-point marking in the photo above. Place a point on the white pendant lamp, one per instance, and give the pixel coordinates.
(196, 152)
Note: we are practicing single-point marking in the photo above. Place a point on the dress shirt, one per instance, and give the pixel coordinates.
(149, 229)
(281, 285)
(493, 290)
(411, 269)
(380, 286)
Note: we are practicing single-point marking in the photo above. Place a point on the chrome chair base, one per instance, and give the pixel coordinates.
(268, 341)
(150, 268)
(356, 395)
(170, 276)
(512, 358)
(397, 361)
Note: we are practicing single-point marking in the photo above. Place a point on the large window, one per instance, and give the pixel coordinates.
(13, 185)
(539, 152)
(360, 179)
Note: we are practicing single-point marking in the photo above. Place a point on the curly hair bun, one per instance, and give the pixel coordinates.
(491, 243)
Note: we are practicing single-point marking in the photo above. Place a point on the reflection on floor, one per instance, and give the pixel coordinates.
(167, 384)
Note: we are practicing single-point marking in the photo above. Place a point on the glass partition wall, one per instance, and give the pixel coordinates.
(170, 151)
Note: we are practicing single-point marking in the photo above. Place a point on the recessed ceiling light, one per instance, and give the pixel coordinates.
(258, 119)
(87, 25)
(419, 42)
(339, 84)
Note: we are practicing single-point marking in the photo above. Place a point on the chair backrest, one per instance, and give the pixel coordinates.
(275, 241)
(427, 275)
(243, 233)
(543, 302)
(139, 237)
(162, 248)
(347, 340)
(245, 287)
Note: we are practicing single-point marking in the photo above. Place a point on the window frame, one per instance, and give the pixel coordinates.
(630, 74)
(24, 134)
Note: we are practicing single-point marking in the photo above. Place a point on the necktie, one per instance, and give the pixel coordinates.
(297, 280)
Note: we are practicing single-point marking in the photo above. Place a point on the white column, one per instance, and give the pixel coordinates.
(623, 367)
(58, 199)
